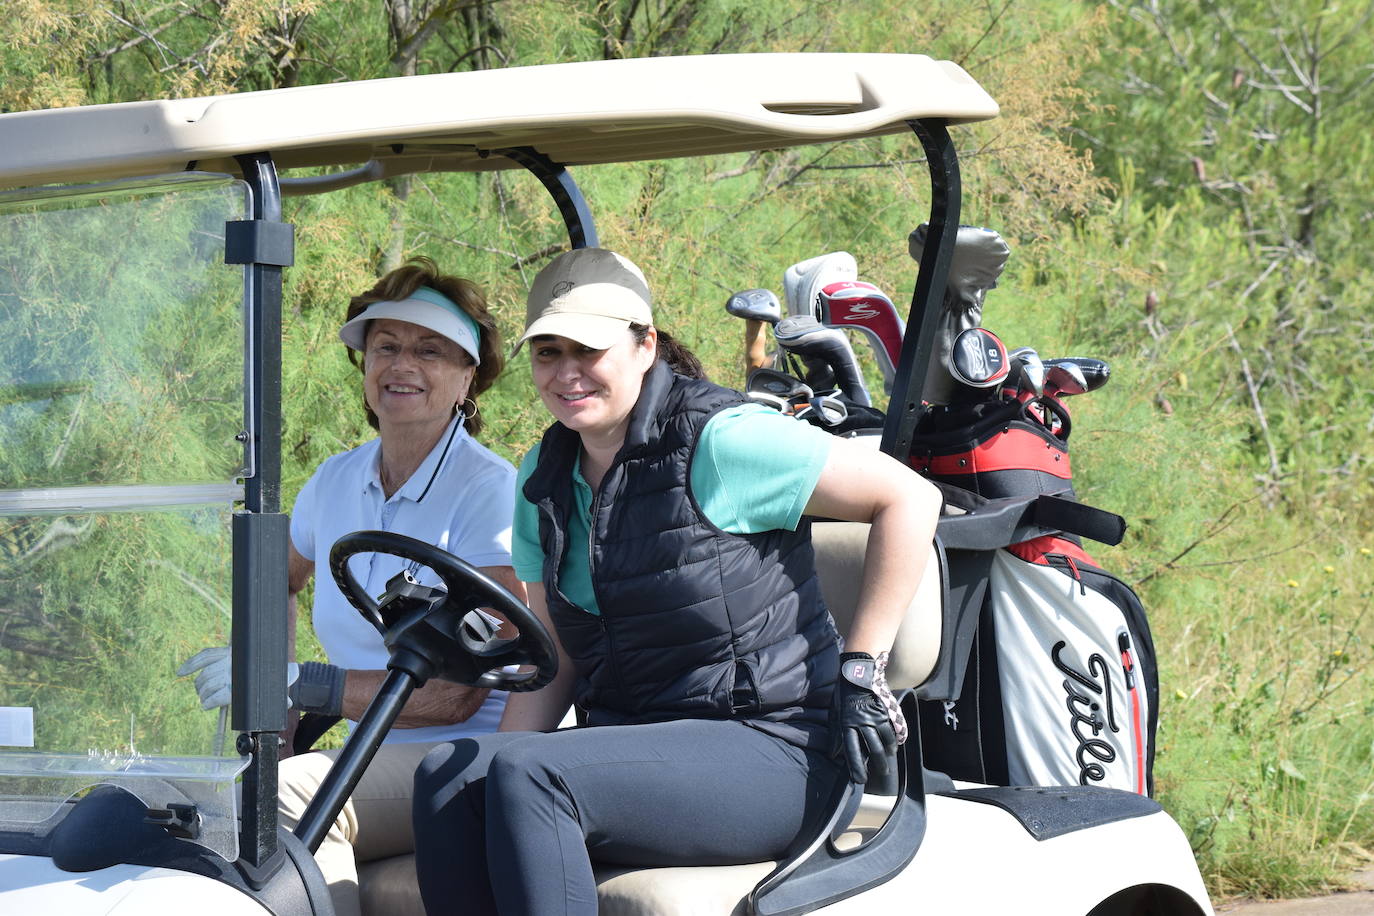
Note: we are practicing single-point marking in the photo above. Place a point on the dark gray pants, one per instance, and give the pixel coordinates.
(511, 822)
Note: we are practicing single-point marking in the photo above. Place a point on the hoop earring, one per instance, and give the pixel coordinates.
(462, 409)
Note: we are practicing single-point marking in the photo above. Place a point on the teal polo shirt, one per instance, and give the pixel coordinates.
(754, 470)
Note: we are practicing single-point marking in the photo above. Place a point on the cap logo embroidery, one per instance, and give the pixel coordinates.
(562, 288)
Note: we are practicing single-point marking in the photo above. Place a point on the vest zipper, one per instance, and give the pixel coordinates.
(606, 632)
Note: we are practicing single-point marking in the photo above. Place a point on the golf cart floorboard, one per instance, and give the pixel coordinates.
(1050, 811)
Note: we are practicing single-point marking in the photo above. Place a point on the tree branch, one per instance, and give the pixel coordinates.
(1274, 471)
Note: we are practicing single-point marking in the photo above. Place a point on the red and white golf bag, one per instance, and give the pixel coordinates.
(1076, 672)
(1061, 686)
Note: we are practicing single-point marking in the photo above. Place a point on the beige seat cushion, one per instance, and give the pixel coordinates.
(701, 891)
(839, 561)
(388, 888)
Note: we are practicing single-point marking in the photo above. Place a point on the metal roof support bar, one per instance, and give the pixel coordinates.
(261, 533)
(905, 409)
(558, 181)
(262, 290)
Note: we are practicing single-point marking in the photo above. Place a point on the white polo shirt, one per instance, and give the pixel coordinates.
(460, 498)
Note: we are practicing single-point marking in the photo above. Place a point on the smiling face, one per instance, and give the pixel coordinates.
(413, 377)
(592, 391)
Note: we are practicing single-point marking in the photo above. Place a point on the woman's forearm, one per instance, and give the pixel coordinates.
(541, 710)
(859, 484)
(436, 703)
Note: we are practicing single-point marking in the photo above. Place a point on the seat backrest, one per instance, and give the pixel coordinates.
(840, 550)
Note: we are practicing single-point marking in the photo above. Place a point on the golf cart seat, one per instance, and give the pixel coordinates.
(388, 886)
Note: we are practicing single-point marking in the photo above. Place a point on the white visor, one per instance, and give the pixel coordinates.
(426, 308)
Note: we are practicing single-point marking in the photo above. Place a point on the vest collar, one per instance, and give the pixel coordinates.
(645, 418)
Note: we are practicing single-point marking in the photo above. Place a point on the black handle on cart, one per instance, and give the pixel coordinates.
(989, 524)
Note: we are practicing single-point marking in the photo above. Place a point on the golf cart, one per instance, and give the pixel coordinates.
(127, 231)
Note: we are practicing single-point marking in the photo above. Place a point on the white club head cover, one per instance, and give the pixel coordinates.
(802, 282)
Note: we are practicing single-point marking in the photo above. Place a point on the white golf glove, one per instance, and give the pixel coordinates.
(311, 687)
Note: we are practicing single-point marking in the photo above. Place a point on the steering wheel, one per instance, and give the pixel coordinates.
(451, 633)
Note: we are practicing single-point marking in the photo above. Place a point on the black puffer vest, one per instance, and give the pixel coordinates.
(695, 622)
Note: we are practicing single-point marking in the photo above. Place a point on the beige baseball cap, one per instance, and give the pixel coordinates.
(590, 295)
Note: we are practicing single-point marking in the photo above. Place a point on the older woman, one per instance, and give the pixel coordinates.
(660, 528)
(427, 348)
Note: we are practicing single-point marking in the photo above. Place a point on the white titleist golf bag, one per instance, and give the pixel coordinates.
(1076, 672)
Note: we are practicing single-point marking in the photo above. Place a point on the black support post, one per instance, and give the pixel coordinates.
(567, 196)
(265, 245)
(333, 792)
(905, 409)
(260, 533)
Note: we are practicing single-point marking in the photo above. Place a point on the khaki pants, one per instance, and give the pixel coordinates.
(374, 824)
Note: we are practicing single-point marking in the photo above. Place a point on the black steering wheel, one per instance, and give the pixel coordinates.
(447, 631)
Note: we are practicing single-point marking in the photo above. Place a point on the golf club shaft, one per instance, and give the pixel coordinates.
(755, 344)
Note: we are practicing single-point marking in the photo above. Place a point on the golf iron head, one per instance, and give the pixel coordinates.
(1028, 371)
(1095, 372)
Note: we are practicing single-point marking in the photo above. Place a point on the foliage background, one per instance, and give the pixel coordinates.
(1183, 185)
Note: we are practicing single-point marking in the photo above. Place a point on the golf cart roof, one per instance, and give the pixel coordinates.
(574, 113)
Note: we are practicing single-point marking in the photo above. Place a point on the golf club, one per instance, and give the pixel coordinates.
(979, 359)
(1096, 373)
(757, 307)
(777, 383)
(823, 410)
(862, 306)
(1031, 374)
(826, 354)
(803, 281)
(1062, 379)
(978, 259)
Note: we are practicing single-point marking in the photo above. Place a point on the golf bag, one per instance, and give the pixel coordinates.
(1061, 686)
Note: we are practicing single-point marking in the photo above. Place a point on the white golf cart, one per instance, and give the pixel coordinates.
(126, 235)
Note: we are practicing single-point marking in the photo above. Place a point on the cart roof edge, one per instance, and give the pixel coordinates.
(575, 113)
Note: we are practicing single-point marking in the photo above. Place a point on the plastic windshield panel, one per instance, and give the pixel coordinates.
(36, 790)
(122, 393)
(121, 341)
(97, 612)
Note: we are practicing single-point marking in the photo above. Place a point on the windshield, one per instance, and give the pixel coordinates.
(121, 453)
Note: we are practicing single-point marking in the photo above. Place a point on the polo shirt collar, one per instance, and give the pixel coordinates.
(419, 481)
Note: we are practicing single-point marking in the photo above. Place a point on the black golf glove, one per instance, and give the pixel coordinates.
(866, 723)
(319, 688)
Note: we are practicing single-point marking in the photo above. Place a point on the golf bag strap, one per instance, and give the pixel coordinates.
(1081, 519)
(989, 524)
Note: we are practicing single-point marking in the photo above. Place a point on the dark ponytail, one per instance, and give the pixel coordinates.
(680, 359)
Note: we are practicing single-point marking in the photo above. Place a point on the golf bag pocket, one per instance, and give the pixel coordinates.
(994, 449)
(1076, 672)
